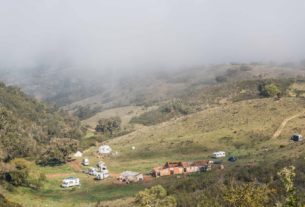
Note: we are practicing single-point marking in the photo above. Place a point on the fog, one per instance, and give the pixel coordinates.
(124, 35)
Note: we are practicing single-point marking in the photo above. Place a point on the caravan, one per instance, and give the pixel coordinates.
(219, 154)
(102, 175)
(103, 172)
(70, 182)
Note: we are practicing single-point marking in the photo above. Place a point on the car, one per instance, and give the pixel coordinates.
(232, 159)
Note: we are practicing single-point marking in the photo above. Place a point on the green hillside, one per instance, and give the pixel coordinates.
(28, 125)
(244, 126)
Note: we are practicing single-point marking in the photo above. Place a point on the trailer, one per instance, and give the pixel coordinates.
(219, 154)
(70, 182)
(102, 175)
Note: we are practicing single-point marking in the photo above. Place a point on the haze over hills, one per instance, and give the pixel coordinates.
(152, 103)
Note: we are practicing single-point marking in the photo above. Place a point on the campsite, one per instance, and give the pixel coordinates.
(208, 132)
(132, 103)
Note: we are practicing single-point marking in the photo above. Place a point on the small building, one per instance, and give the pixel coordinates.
(219, 154)
(70, 182)
(203, 165)
(177, 168)
(78, 154)
(104, 149)
(296, 137)
(129, 177)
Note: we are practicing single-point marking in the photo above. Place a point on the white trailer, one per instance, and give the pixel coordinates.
(219, 154)
(70, 182)
(102, 175)
(92, 171)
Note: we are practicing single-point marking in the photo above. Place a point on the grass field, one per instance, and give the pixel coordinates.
(243, 129)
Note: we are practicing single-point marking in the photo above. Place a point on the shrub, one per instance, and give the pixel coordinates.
(269, 90)
(155, 197)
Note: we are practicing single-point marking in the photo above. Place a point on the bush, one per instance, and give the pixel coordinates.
(155, 197)
(269, 90)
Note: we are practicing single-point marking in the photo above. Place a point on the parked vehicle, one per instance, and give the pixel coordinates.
(296, 137)
(92, 171)
(70, 182)
(232, 159)
(219, 154)
(102, 175)
(85, 162)
(129, 177)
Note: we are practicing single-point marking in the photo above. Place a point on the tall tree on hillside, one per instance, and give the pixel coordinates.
(58, 151)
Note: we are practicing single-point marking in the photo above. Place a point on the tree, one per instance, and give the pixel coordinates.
(108, 125)
(155, 197)
(58, 151)
(250, 195)
(269, 90)
(287, 176)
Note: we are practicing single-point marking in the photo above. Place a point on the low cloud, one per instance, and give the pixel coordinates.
(120, 35)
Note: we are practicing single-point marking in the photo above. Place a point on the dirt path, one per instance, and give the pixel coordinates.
(76, 166)
(278, 132)
(55, 175)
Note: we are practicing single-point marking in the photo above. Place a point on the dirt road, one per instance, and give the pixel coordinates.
(278, 132)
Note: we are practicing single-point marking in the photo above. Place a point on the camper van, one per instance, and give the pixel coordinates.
(70, 182)
(102, 175)
(85, 162)
(92, 171)
(219, 154)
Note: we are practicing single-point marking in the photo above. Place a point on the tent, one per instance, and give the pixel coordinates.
(104, 149)
(78, 154)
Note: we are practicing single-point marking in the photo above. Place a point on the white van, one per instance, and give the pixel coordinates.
(92, 171)
(85, 162)
(70, 182)
(102, 175)
(219, 154)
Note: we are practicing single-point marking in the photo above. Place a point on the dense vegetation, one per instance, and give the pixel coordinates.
(32, 130)
(165, 112)
(27, 126)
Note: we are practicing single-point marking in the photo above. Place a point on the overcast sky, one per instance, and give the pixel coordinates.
(124, 34)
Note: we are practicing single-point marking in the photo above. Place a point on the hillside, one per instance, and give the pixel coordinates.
(95, 92)
(232, 116)
(28, 125)
(243, 129)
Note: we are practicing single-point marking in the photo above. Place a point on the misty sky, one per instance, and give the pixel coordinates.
(124, 34)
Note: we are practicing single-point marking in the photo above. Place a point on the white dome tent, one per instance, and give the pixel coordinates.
(78, 154)
(104, 149)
